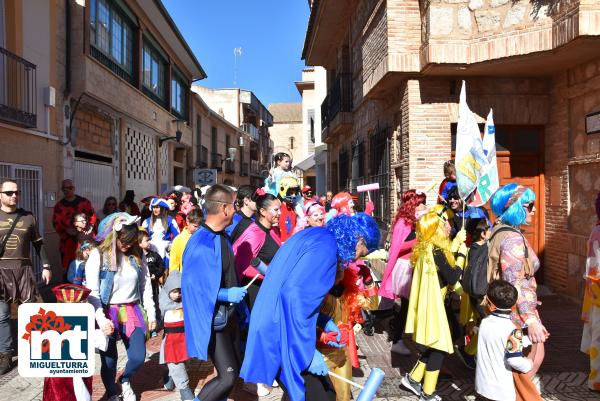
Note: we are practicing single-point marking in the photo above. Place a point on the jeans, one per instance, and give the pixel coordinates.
(5, 332)
(136, 354)
(179, 375)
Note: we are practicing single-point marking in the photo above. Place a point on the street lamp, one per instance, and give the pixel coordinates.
(177, 137)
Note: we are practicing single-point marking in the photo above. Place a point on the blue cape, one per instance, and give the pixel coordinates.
(200, 281)
(237, 217)
(283, 324)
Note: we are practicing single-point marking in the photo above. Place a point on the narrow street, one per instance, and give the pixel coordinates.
(563, 373)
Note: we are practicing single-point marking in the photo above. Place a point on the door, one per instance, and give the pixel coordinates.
(29, 180)
(95, 181)
(520, 160)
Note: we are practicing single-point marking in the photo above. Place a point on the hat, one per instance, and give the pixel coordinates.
(159, 202)
(71, 293)
(307, 188)
(147, 200)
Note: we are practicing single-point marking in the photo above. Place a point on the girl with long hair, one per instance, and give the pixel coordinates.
(161, 227)
(397, 277)
(117, 275)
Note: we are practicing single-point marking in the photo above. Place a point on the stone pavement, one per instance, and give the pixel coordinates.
(563, 375)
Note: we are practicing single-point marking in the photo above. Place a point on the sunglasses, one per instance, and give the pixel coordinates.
(529, 207)
(67, 188)
(11, 193)
(308, 193)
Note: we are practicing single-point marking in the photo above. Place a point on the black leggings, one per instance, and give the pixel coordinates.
(398, 321)
(316, 388)
(224, 353)
(432, 359)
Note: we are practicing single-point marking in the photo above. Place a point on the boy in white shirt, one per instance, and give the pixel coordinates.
(500, 346)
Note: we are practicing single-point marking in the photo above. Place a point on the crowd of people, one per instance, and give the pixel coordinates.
(272, 284)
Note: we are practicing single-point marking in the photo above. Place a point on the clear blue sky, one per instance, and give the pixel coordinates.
(270, 33)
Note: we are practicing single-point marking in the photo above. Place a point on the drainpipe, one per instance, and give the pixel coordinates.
(68, 48)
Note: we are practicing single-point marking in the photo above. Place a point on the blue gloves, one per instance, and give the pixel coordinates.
(317, 365)
(233, 295)
(331, 327)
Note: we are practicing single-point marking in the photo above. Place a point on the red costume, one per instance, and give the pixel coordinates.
(68, 388)
(61, 219)
(287, 221)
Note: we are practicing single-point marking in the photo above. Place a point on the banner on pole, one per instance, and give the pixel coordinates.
(470, 156)
(488, 182)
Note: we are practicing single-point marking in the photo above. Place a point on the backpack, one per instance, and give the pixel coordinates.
(474, 280)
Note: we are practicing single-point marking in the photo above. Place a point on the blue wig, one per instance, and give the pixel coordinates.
(515, 215)
(369, 230)
(346, 232)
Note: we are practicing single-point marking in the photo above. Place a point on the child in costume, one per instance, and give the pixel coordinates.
(590, 341)
(76, 272)
(156, 266)
(283, 165)
(68, 388)
(283, 326)
(436, 271)
(501, 349)
(161, 227)
(448, 183)
(353, 292)
(172, 350)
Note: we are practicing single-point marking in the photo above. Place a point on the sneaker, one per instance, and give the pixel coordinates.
(432, 397)
(400, 348)
(5, 362)
(411, 385)
(186, 394)
(169, 384)
(468, 360)
(127, 392)
(262, 390)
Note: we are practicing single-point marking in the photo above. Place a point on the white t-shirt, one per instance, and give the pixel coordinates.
(499, 351)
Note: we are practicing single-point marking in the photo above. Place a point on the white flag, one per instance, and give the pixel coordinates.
(470, 158)
(488, 182)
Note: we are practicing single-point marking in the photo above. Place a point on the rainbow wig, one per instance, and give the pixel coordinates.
(347, 232)
(369, 230)
(507, 203)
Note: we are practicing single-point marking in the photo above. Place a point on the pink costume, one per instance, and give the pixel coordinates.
(397, 277)
(247, 247)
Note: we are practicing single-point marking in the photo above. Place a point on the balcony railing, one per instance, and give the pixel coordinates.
(216, 161)
(254, 167)
(245, 167)
(229, 167)
(251, 130)
(202, 157)
(339, 99)
(18, 88)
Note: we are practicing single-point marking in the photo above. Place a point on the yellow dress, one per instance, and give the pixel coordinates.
(426, 318)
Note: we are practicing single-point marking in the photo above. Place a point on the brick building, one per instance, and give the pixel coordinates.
(394, 70)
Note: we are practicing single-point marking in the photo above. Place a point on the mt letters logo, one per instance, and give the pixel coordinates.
(55, 340)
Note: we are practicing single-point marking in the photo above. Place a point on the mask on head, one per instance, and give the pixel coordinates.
(289, 189)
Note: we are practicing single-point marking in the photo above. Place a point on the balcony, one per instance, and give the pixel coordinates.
(336, 109)
(251, 130)
(229, 167)
(245, 170)
(254, 168)
(216, 161)
(202, 156)
(18, 88)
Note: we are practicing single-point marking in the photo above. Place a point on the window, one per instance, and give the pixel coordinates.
(213, 145)
(379, 156)
(111, 37)
(199, 158)
(153, 67)
(178, 96)
(311, 124)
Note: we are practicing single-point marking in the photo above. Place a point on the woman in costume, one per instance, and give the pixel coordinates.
(313, 216)
(353, 292)
(117, 275)
(436, 271)
(283, 326)
(260, 240)
(513, 259)
(161, 227)
(397, 277)
(590, 342)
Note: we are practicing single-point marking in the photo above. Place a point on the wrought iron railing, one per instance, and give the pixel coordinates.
(338, 99)
(216, 161)
(251, 130)
(18, 89)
